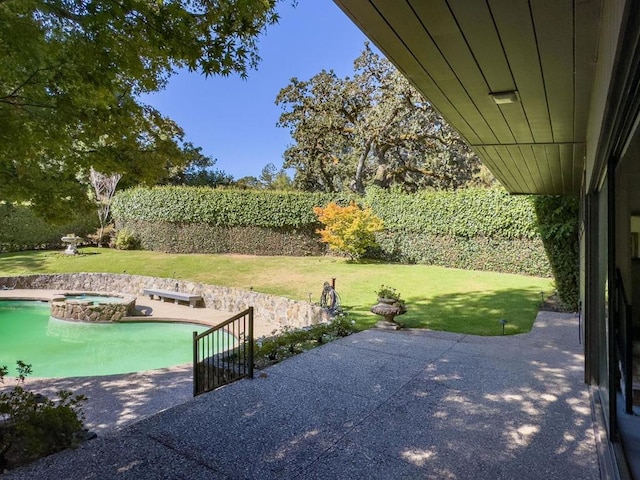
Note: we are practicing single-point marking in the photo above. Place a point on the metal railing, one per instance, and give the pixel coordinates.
(224, 353)
(624, 337)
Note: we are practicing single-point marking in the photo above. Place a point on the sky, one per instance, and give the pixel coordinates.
(234, 120)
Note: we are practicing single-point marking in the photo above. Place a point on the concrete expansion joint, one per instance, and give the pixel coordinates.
(182, 453)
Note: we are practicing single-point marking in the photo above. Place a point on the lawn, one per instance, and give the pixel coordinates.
(438, 298)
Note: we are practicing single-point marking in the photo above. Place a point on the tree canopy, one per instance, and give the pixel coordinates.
(273, 179)
(199, 172)
(270, 179)
(71, 76)
(371, 129)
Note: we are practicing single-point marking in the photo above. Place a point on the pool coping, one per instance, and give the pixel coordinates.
(151, 310)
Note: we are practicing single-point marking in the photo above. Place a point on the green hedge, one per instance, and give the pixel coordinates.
(21, 229)
(558, 220)
(473, 229)
(461, 213)
(523, 256)
(205, 238)
(220, 207)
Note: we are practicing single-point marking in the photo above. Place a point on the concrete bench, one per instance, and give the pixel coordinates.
(175, 296)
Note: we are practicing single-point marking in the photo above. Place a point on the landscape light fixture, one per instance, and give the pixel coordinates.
(504, 98)
(503, 321)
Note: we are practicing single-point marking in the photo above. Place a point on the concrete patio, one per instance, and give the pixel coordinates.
(378, 404)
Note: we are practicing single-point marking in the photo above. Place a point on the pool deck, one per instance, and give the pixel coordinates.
(152, 310)
(375, 405)
(118, 400)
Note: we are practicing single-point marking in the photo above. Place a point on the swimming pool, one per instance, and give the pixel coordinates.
(58, 348)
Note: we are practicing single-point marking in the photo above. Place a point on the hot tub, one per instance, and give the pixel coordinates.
(92, 306)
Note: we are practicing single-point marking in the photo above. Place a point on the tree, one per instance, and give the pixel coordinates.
(372, 129)
(104, 187)
(248, 183)
(318, 114)
(281, 182)
(273, 179)
(270, 179)
(199, 173)
(72, 74)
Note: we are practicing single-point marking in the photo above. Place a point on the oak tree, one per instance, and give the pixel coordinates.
(371, 129)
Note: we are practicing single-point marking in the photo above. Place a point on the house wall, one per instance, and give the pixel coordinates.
(611, 22)
(612, 177)
(594, 244)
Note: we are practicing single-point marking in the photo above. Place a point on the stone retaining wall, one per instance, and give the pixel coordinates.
(267, 308)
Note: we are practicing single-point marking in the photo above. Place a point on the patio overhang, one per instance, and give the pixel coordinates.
(514, 77)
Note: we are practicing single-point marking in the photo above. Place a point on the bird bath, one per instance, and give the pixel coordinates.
(71, 240)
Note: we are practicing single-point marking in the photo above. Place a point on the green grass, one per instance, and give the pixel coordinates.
(438, 298)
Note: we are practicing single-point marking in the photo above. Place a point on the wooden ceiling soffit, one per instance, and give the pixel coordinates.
(457, 52)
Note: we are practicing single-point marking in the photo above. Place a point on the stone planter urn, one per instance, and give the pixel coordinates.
(388, 308)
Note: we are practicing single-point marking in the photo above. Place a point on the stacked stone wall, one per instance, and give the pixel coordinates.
(91, 310)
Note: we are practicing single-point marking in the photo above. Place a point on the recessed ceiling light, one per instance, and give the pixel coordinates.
(503, 98)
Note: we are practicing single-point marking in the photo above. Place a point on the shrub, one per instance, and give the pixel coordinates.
(173, 237)
(388, 292)
(348, 230)
(103, 235)
(524, 256)
(35, 426)
(293, 341)
(22, 229)
(558, 222)
(127, 240)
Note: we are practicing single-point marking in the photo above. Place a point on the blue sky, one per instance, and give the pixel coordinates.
(234, 120)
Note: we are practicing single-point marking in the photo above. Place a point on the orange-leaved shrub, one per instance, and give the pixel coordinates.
(348, 230)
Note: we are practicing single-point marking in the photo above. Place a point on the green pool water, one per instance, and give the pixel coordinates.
(58, 348)
(93, 298)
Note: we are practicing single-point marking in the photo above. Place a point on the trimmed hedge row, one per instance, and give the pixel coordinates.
(205, 238)
(462, 213)
(471, 229)
(228, 208)
(524, 256)
(21, 229)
